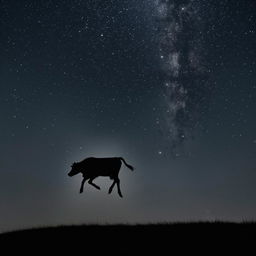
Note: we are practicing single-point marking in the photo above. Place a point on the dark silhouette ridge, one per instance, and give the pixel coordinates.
(128, 238)
(93, 167)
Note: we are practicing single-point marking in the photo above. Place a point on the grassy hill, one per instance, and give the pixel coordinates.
(129, 237)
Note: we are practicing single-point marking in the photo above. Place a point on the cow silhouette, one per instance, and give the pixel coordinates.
(93, 167)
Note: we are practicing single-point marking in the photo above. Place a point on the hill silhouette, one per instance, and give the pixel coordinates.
(162, 236)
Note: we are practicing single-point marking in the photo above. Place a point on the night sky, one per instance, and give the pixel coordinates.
(169, 85)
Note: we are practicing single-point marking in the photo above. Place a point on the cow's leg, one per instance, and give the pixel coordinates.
(118, 187)
(82, 185)
(93, 184)
(111, 187)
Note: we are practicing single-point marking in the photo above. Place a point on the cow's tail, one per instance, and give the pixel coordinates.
(129, 166)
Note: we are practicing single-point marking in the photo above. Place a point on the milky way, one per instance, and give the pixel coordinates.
(182, 63)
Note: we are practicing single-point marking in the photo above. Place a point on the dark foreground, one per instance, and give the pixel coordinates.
(125, 238)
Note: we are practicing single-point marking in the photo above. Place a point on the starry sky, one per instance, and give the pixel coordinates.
(169, 85)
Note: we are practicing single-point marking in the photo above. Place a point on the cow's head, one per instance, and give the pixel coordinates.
(75, 169)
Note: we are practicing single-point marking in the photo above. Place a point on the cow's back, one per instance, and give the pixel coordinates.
(107, 166)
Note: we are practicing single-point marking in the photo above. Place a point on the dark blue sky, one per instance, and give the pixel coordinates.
(168, 85)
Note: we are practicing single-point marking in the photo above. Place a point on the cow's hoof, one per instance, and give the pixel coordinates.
(81, 191)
